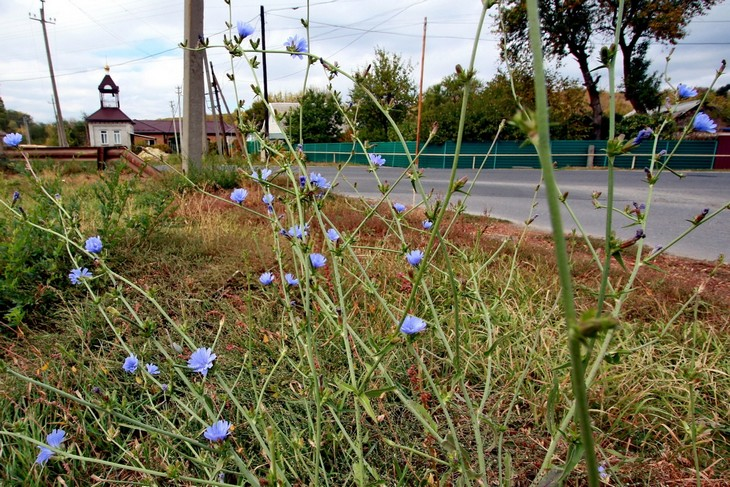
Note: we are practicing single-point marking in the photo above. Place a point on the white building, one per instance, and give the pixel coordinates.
(109, 126)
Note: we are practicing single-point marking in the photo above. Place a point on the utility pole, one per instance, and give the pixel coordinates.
(266, 80)
(193, 88)
(239, 137)
(226, 152)
(27, 130)
(178, 90)
(174, 128)
(59, 117)
(219, 146)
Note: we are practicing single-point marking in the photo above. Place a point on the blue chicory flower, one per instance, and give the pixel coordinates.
(268, 200)
(291, 280)
(377, 160)
(412, 325)
(152, 369)
(77, 274)
(16, 196)
(244, 29)
(218, 431)
(319, 181)
(302, 180)
(130, 364)
(93, 245)
(703, 123)
(643, 135)
(202, 360)
(333, 235)
(296, 45)
(601, 469)
(13, 139)
(298, 231)
(266, 278)
(685, 91)
(414, 257)
(427, 224)
(54, 440)
(261, 175)
(239, 195)
(317, 260)
(399, 207)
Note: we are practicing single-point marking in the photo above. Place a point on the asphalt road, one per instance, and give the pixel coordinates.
(508, 194)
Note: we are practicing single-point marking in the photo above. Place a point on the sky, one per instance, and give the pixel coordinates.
(138, 40)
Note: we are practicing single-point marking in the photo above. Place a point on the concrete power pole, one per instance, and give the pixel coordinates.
(60, 127)
(193, 126)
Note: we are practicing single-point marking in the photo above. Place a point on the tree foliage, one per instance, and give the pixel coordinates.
(575, 28)
(568, 29)
(494, 101)
(388, 79)
(663, 21)
(321, 117)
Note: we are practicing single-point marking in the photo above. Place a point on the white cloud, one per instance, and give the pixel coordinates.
(89, 34)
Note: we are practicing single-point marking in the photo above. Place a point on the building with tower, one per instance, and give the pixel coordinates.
(109, 125)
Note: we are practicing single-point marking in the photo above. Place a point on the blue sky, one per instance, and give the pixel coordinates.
(138, 39)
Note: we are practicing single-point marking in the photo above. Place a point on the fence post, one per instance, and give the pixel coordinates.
(591, 154)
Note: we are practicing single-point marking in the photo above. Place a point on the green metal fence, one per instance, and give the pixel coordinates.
(692, 154)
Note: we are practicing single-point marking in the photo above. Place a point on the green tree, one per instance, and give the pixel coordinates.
(442, 106)
(640, 85)
(574, 28)
(321, 117)
(663, 21)
(254, 117)
(76, 130)
(3, 115)
(492, 102)
(388, 79)
(568, 29)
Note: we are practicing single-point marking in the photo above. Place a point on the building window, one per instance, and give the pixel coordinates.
(150, 141)
(104, 137)
(117, 137)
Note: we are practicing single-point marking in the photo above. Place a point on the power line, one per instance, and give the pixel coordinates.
(92, 69)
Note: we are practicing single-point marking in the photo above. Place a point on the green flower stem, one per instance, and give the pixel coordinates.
(476, 427)
(128, 419)
(342, 326)
(442, 404)
(690, 229)
(515, 397)
(147, 471)
(691, 386)
(587, 240)
(542, 142)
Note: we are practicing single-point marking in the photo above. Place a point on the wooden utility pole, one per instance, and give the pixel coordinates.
(420, 91)
(239, 137)
(174, 128)
(209, 83)
(266, 80)
(226, 152)
(60, 127)
(193, 128)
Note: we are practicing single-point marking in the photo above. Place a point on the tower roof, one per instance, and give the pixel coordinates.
(109, 114)
(108, 85)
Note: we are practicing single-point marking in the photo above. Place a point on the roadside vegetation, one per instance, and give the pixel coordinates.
(247, 325)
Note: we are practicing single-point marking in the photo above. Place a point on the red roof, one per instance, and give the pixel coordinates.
(108, 114)
(147, 127)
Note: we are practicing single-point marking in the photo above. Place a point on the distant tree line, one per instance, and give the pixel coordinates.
(40, 133)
